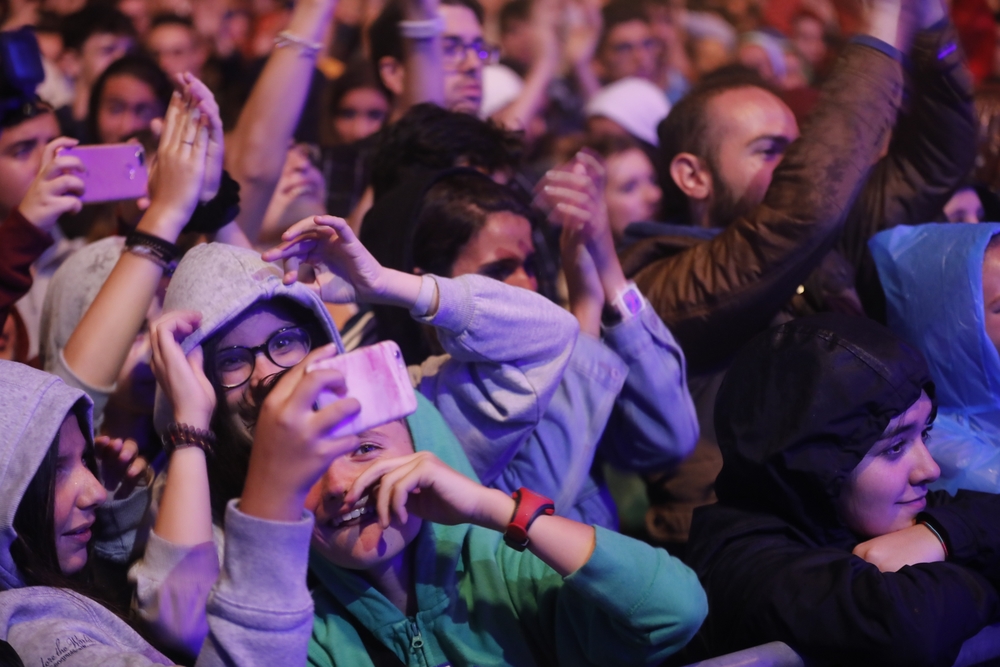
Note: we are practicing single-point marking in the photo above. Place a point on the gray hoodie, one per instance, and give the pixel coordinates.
(73, 287)
(259, 613)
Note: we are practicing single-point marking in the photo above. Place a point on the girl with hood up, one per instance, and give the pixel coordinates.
(260, 611)
(241, 320)
(825, 536)
(942, 284)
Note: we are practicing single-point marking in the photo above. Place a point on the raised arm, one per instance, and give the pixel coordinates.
(740, 279)
(99, 345)
(533, 97)
(931, 153)
(269, 117)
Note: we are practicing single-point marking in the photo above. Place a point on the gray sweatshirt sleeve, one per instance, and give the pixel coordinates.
(99, 395)
(172, 585)
(653, 425)
(259, 613)
(507, 350)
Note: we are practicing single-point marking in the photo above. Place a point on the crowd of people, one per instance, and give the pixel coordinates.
(681, 289)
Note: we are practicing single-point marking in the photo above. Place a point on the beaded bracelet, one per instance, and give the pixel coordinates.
(180, 436)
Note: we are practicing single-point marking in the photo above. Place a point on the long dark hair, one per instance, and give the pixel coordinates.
(138, 67)
(34, 549)
(230, 461)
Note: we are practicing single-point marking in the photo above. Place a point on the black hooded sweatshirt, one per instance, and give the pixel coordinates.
(798, 410)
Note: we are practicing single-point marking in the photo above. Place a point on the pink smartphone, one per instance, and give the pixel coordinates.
(112, 171)
(376, 375)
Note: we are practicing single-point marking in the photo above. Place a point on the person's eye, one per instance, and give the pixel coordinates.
(895, 451)
(450, 47)
(229, 362)
(925, 435)
(629, 186)
(367, 449)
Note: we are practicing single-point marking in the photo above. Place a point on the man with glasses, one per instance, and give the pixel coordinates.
(627, 46)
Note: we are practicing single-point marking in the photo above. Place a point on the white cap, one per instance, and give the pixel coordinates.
(501, 86)
(635, 104)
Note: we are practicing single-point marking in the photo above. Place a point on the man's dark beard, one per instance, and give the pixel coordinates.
(725, 207)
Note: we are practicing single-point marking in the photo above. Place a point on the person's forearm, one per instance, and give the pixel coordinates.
(533, 96)
(185, 513)
(423, 79)
(98, 347)
(586, 78)
(562, 544)
(269, 117)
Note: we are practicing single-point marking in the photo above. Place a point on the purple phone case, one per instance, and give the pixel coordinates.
(112, 172)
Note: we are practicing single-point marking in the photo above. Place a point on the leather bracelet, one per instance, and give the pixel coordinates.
(931, 528)
(528, 506)
(306, 48)
(154, 249)
(181, 436)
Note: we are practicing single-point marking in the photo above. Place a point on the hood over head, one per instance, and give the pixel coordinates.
(220, 281)
(33, 406)
(73, 288)
(932, 276)
(438, 546)
(800, 407)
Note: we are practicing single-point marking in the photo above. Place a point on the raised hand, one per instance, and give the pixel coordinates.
(291, 450)
(201, 97)
(182, 377)
(422, 484)
(317, 249)
(177, 174)
(56, 189)
(119, 464)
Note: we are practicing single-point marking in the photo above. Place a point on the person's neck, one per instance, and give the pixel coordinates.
(394, 580)
(81, 101)
(698, 213)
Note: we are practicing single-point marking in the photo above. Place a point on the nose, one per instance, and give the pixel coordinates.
(925, 469)
(336, 482)
(263, 368)
(92, 494)
(523, 279)
(652, 194)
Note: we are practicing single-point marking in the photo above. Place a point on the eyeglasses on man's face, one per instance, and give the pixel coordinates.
(453, 51)
(286, 347)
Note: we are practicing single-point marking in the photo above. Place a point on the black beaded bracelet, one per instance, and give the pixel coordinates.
(153, 248)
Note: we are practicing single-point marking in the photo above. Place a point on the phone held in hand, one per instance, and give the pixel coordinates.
(112, 172)
(377, 377)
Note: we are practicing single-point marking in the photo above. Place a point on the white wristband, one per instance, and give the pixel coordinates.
(422, 29)
(628, 302)
(306, 48)
(428, 288)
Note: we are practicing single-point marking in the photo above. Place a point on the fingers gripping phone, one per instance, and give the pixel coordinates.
(377, 377)
(111, 172)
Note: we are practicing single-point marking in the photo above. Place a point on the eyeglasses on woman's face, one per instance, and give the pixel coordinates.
(286, 347)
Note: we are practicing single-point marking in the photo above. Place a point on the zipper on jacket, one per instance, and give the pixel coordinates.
(417, 640)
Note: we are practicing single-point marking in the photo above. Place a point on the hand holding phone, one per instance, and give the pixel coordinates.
(111, 172)
(377, 377)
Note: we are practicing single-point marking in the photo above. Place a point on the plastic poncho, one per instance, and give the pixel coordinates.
(933, 280)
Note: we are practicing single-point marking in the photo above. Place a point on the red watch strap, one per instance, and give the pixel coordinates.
(528, 506)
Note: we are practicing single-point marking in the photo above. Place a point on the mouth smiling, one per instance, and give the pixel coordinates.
(354, 516)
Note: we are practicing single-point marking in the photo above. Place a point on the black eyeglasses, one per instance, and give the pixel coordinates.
(286, 347)
(453, 51)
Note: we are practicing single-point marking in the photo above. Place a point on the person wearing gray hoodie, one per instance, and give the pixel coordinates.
(260, 611)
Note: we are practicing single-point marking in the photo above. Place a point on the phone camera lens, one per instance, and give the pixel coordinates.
(141, 156)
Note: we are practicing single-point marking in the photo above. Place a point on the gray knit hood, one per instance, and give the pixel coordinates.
(73, 288)
(33, 406)
(221, 281)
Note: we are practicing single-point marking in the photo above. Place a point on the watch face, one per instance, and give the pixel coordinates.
(632, 301)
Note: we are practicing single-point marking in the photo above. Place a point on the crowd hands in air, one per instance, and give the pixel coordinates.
(701, 353)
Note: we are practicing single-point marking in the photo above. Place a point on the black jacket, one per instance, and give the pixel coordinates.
(798, 410)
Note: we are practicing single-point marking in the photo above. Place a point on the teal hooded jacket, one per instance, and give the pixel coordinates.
(483, 603)
(933, 280)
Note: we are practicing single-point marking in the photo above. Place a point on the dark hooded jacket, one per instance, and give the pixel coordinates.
(801, 406)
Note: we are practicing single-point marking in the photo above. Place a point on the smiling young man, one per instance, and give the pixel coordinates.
(825, 535)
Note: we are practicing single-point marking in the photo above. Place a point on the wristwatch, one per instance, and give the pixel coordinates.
(528, 506)
(627, 304)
